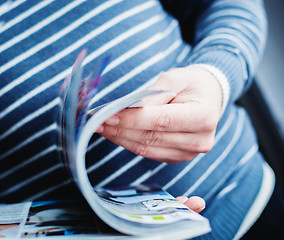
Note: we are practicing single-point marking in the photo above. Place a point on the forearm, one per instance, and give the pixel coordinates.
(226, 34)
(230, 35)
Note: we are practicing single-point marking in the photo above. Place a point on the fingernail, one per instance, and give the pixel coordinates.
(100, 129)
(198, 210)
(113, 120)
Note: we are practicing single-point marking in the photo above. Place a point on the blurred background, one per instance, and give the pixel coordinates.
(265, 99)
(270, 75)
(270, 82)
(265, 103)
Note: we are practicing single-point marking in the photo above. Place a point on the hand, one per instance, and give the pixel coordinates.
(196, 204)
(171, 129)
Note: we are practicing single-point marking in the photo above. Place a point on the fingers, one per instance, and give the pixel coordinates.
(169, 155)
(189, 142)
(168, 139)
(183, 117)
(197, 204)
(171, 128)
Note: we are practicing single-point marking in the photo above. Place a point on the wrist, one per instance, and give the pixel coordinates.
(222, 80)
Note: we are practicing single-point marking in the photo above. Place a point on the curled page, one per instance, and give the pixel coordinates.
(160, 212)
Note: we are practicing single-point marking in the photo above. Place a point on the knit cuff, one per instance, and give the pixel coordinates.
(221, 79)
(230, 63)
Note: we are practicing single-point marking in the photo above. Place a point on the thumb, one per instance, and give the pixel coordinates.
(197, 204)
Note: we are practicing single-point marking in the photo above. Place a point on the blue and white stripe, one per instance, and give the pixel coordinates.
(39, 41)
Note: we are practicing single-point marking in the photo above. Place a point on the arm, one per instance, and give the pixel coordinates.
(227, 34)
(173, 130)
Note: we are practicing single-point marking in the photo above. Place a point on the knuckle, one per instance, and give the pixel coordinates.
(163, 122)
(150, 138)
(142, 150)
(203, 146)
(206, 148)
(209, 122)
(210, 144)
(115, 132)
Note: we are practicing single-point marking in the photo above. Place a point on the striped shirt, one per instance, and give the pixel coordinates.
(39, 41)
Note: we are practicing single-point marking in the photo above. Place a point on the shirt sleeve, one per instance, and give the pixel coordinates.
(228, 35)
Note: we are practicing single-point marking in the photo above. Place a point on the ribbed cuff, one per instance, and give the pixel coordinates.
(230, 64)
(221, 79)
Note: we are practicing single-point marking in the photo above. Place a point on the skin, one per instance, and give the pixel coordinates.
(197, 204)
(172, 129)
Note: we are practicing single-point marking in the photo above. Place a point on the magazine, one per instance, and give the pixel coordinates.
(135, 212)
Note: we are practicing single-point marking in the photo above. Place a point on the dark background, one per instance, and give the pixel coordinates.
(265, 100)
(265, 103)
(270, 75)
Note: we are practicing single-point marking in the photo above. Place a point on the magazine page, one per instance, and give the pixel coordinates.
(147, 204)
(124, 215)
(58, 219)
(12, 219)
(79, 123)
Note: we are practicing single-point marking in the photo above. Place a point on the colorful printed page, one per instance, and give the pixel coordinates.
(146, 204)
(144, 213)
(64, 219)
(12, 219)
